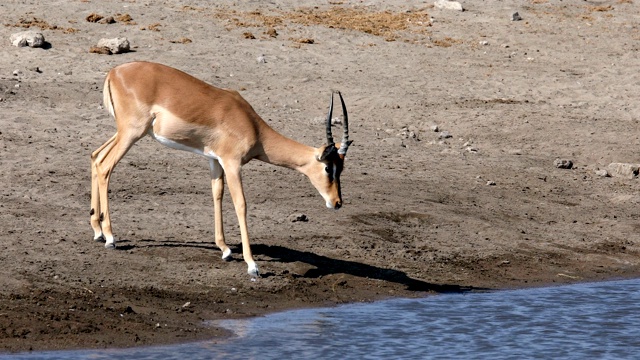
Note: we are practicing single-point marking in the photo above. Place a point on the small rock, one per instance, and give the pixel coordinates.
(435, 128)
(602, 172)
(93, 17)
(27, 38)
(298, 217)
(271, 32)
(108, 20)
(449, 5)
(471, 149)
(484, 42)
(628, 171)
(444, 135)
(491, 183)
(186, 304)
(261, 59)
(115, 45)
(516, 17)
(563, 163)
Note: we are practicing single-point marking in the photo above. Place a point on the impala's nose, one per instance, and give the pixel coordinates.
(338, 205)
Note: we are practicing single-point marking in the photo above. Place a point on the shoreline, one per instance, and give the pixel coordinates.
(460, 121)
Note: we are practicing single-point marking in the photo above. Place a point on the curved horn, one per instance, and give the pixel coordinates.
(329, 135)
(344, 146)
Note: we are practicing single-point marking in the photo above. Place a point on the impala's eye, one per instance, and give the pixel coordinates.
(327, 170)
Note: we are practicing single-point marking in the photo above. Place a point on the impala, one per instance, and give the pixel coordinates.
(185, 113)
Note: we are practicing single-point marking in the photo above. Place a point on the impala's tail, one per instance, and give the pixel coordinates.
(108, 101)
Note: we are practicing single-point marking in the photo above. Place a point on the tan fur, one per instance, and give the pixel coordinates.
(147, 97)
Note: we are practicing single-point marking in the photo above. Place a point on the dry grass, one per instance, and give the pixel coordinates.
(40, 23)
(601, 8)
(446, 42)
(386, 24)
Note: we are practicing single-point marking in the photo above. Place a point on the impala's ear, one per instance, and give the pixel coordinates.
(325, 152)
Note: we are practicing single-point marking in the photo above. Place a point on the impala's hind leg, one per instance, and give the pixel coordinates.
(95, 195)
(217, 188)
(103, 161)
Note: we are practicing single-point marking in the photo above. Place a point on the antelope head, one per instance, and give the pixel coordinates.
(330, 161)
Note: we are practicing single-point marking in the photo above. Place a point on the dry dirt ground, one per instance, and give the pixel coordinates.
(420, 215)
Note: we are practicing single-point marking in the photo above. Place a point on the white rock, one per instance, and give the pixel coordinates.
(602, 172)
(449, 5)
(27, 38)
(563, 163)
(444, 135)
(484, 42)
(628, 171)
(116, 45)
(261, 59)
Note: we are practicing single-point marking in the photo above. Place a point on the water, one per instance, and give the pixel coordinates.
(594, 321)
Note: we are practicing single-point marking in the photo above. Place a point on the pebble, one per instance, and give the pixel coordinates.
(624, 170)
(444, 135)
(298, 218)
(563, 163)
(435, 128)
(491, 183)
(116, 45)
(449, 5)
(29, 38)
(516, 17)
(602, 172)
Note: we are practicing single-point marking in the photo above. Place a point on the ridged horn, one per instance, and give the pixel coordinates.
(344, 146)
(329, 135)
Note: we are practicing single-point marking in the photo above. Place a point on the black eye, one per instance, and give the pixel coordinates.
(327, 170)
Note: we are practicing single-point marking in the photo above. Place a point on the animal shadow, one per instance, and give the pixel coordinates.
(325, 266)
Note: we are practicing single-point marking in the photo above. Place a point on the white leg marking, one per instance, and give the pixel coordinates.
(110, 242)
(226, 255)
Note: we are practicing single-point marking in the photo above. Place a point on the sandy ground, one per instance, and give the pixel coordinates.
(424, 213)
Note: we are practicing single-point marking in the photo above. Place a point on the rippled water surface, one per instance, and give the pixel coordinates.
(586, 321)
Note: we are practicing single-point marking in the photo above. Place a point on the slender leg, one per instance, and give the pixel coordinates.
(217, 188)
(95, 196)
(105, 161)
(237, 194)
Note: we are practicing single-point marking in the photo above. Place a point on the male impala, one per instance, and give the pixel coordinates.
(185, 113)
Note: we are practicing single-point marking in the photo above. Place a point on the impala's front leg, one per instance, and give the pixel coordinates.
(217, 187)
(237, 195)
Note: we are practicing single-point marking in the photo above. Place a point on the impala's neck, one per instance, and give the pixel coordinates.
(278, 149)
